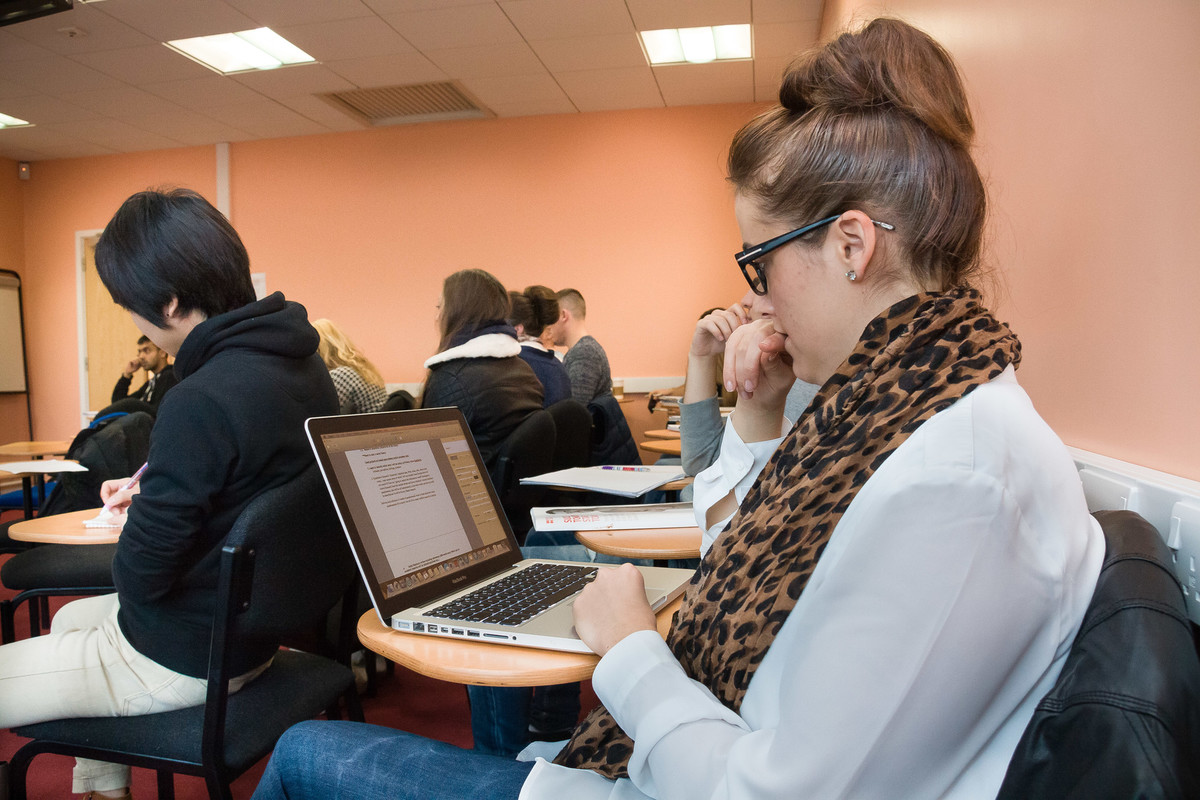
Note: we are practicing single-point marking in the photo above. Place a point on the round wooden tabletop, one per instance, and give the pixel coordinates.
(669, 447)
(662, 434)
(34, 449)
(63, 529)
(481, 663)
(656, 543)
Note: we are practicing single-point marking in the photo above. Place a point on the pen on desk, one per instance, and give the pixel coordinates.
(131, 483)
(629, 469)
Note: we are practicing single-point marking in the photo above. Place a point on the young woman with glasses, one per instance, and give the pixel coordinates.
(908, 564)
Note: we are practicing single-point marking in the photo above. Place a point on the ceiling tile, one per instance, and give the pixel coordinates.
(560, 19)
(533, 107)
(704, 84)
(137, 65)
(266, 119)
(394, 70)
(611, 89)
(290, 81)
(165, 20)
(122, 101)
(346, 38)
(14, 48)
(787, 10)
(96, 31)
(44, 109)
(539, 90)
(768, 71)
(190, 128)
(784, 39)
(203, 93)
(497, 60)
(117, 135)
(55, 76)
(399, 6)
(591, 52)
(447, 28)
(75, 149)
(275, 13)
(323, 113)
(651, 15)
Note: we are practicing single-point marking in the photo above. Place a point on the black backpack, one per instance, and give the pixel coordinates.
(113, 446)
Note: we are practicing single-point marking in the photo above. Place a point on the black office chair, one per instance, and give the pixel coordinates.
(612, 441)
(572, 434)
(399, 400)
(1123, 719)
(270, 592)
(528, 451)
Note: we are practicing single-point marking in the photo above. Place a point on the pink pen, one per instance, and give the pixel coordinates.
(131, 483)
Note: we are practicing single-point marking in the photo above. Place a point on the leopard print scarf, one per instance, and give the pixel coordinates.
(914, 360)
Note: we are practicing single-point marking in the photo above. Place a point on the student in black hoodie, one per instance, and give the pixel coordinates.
(230, 429)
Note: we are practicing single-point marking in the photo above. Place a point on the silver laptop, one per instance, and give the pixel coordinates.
(429, 534)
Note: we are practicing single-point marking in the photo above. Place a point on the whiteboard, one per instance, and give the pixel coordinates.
(12, 338)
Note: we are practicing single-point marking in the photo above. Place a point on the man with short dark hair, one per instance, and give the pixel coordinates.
(160, 375)
(586, 361)
(232, 428)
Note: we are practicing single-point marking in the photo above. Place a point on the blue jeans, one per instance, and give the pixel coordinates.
(328, 760)
(504, 719)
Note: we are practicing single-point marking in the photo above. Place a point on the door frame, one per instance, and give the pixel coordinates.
(81, 320)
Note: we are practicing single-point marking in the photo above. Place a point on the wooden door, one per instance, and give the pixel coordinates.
(111, 335)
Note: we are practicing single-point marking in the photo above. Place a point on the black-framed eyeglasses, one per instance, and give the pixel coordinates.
(755, 271)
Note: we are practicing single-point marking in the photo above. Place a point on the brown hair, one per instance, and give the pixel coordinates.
(533, 309)
(572, 299)
(470, 298)
(875, 120)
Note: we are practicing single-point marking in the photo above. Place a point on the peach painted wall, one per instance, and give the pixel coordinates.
(63, 197)
(631, 208)
(1087, 115)
(13, 414)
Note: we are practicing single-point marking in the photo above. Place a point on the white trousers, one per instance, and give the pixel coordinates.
(86, 668)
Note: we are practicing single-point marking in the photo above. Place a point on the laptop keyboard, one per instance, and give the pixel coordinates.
(519, 597)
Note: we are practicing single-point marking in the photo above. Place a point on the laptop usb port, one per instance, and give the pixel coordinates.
(473, 633)
(457, 631)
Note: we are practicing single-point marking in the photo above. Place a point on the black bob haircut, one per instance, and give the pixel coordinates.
(172, 243)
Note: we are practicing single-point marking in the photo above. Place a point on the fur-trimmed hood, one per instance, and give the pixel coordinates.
(489, 345)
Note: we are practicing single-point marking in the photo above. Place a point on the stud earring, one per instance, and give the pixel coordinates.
(852, 275)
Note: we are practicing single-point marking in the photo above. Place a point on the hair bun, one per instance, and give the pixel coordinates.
(887, 65)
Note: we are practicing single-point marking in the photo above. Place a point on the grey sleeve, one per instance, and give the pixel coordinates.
(798, 398)
(586, 370)
(700, 429)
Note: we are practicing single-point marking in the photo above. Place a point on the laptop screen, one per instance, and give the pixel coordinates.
(416, 502)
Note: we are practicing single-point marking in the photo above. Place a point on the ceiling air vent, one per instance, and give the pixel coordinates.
(399, 105)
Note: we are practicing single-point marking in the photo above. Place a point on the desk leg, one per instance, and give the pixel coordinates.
(27, 495)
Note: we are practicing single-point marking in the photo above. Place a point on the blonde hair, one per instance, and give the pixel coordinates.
(336, 350)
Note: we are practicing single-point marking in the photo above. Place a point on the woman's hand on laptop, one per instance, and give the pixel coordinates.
(611, 607)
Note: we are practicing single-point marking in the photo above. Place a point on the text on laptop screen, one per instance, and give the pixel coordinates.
(419, 489)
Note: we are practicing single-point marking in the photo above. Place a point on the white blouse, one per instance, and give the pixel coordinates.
(938, 616)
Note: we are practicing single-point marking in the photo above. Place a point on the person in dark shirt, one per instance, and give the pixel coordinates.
(232, 428)
(533, 311)
(160, 375)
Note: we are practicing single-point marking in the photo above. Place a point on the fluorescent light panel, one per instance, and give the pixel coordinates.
(697, 45)
(12, 122)
(243, 51)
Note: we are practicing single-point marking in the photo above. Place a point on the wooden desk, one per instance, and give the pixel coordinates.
(655, 543)
(63, 529)
(662, 434)
(480, 663)
(671, 447)
(20, 451)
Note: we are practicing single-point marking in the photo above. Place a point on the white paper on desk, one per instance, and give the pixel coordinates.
(600, 518)
(106, 519)
(35, 467)
(626, 482)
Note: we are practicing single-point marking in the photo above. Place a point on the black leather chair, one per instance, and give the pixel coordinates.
(271, 592)
(399, 400)
(1123, 719)
(572, 434)
(528, 450)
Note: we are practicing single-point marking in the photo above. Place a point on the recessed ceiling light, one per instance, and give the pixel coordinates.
(12, 122)
(243, 51)
(697, 45)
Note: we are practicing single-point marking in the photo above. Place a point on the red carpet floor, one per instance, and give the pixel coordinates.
(405, 700)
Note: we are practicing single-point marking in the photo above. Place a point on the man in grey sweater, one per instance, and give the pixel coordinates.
(586, 361)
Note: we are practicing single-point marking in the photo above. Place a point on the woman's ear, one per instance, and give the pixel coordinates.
(853, 241)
